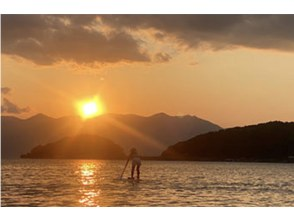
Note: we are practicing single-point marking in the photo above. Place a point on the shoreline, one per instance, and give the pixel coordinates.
(158, 158)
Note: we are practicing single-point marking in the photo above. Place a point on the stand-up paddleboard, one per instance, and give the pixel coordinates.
(129, 179)
(134, 179)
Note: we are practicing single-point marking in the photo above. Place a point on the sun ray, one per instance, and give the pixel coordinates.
(153, 143)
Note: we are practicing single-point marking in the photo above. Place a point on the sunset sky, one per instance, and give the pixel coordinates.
(232, 70)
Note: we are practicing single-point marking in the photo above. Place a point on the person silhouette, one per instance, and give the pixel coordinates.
(136, 162)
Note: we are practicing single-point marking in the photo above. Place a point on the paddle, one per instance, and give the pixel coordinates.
(124, 168)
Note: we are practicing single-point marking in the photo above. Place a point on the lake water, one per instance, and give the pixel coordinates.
(164, 183)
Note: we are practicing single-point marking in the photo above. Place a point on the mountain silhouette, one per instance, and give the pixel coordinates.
(268, 142)
(78, 147)
(19, 136)
(150, 135)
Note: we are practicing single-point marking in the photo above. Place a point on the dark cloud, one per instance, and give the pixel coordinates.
(47, 39)
(216, 31)
(7, 106)
(174, 23)
(5, 90)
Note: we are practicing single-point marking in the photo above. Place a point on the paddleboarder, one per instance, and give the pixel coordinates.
(136, 162)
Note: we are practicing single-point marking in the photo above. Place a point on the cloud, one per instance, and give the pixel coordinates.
(193, 63)
(162, 57)
(88, 39)
(216, 31)
(8, 107)
(5, 90)
(47, 39)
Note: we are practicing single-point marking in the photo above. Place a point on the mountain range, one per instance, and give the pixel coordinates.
(150, 135)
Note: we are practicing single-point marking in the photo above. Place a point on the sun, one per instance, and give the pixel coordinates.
(90, 108)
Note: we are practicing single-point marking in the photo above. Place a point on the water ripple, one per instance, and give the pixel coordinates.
(97, 183)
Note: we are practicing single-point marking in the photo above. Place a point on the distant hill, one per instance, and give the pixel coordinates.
(151, 135)
(20, 136)
(272, 142)
(78, 147)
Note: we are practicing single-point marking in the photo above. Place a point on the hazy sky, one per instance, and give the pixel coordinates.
(229, 69)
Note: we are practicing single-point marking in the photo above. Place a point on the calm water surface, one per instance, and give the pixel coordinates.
(97, 183)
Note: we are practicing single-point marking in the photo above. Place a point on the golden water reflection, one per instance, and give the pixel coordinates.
(89, 177)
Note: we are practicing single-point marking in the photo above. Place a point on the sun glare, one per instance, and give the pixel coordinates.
(90, 108)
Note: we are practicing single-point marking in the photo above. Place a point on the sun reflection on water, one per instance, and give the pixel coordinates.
(89, 177)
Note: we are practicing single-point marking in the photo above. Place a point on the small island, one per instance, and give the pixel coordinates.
(78, 147)
(267, 142)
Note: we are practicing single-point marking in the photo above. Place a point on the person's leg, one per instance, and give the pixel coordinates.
(138, 171)
(133, 169)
